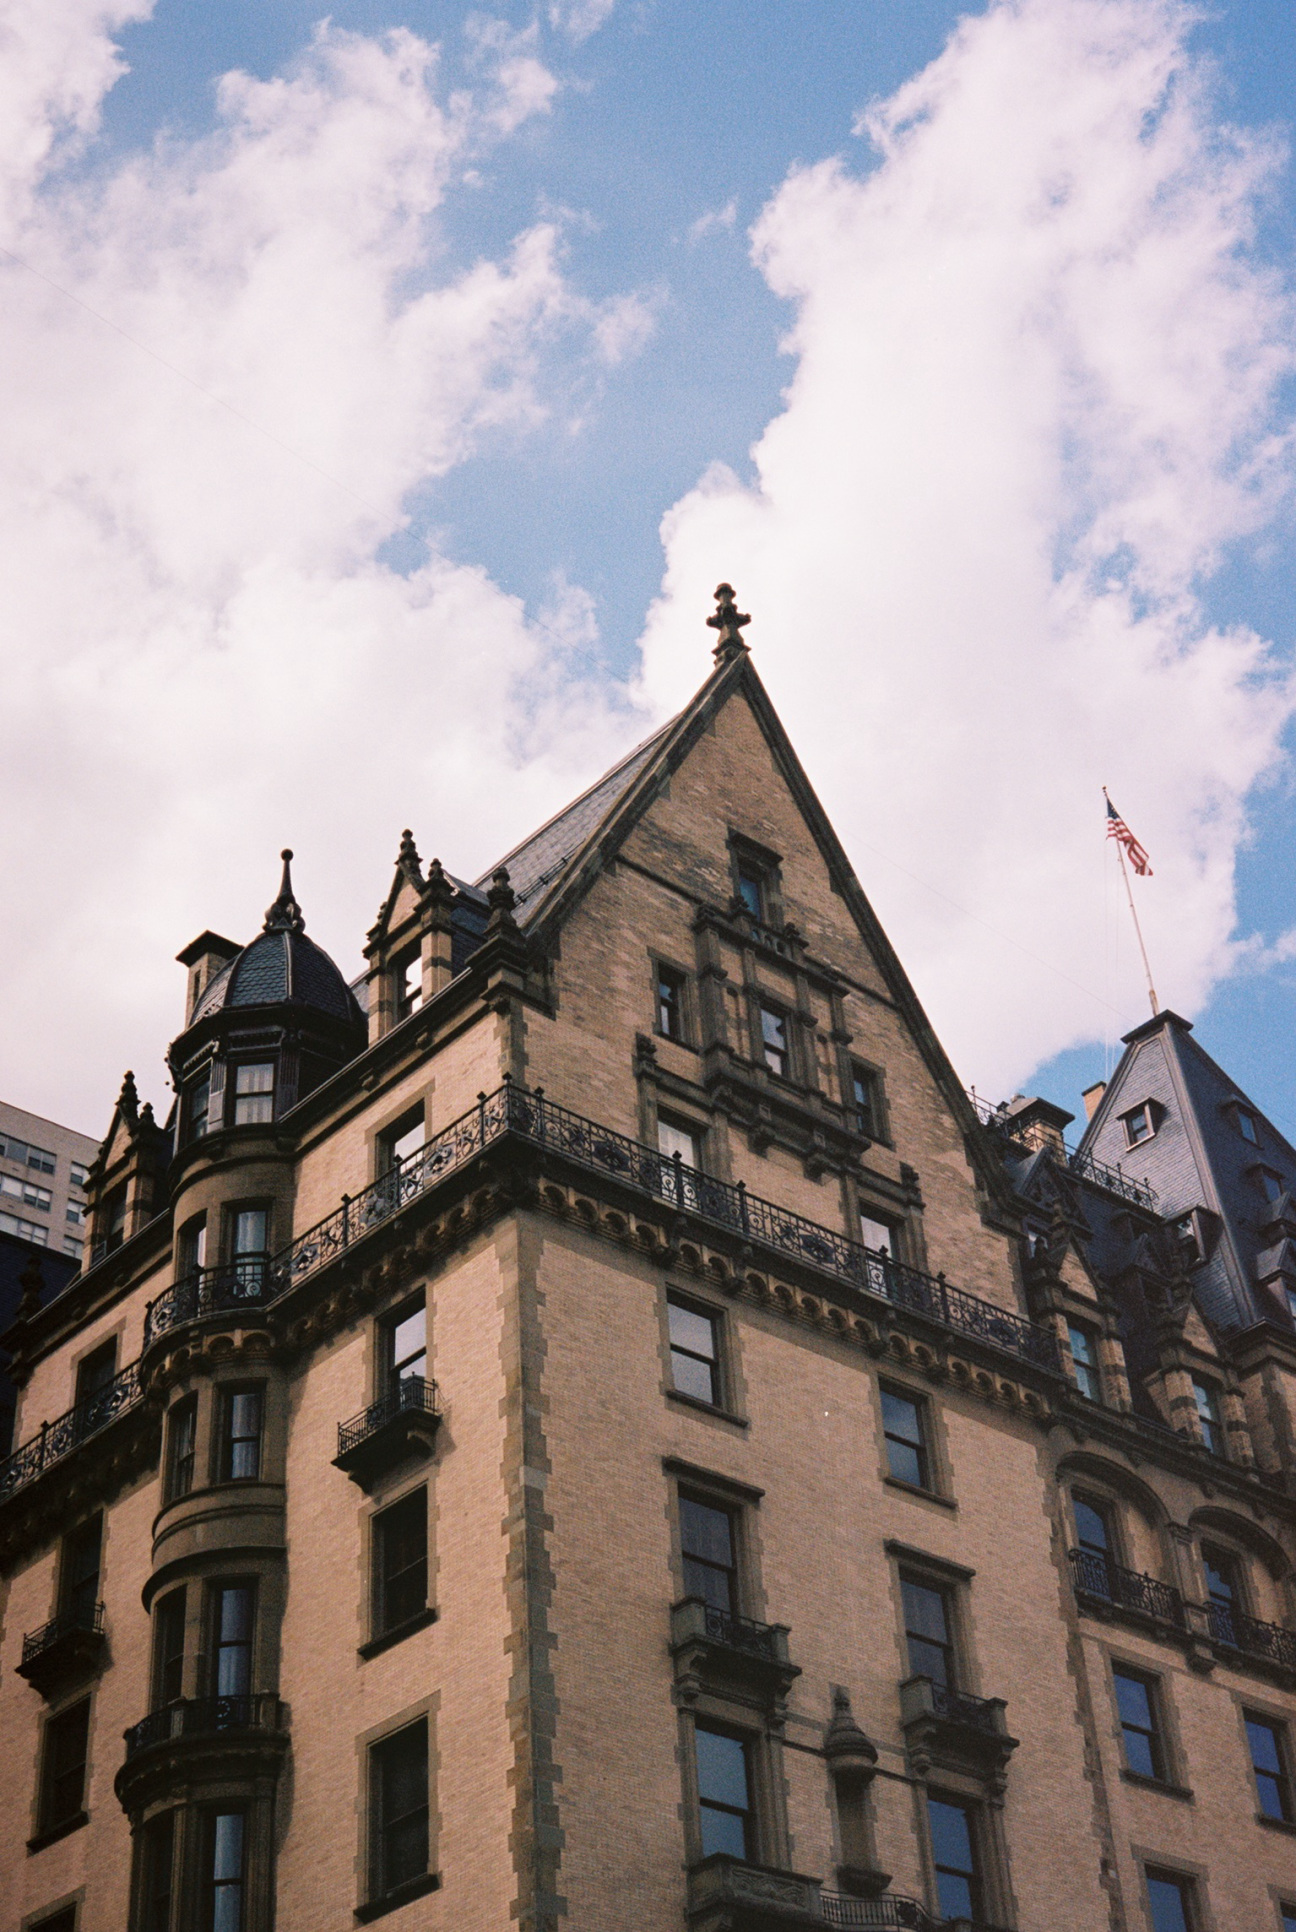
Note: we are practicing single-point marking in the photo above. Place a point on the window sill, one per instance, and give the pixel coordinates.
(1167, 1790)
(918, 1493)
(707, 1408)
(405, 1894)
(59, 1831)
(376, 1645)
(1276, 1824)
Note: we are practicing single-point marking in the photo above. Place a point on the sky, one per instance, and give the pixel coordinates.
(385, 394)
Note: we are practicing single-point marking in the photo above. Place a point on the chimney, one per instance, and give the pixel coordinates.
(1038, 1123)
(1092, 1096)
(204, 958)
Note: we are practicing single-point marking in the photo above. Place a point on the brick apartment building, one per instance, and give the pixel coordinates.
(594, 1428)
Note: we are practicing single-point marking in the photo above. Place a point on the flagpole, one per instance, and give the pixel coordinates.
(1138, 930)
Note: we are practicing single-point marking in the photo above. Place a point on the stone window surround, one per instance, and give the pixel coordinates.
(1173, 1864)
(1157, 1673)
(367, 1907)
(939, 1486)
(729, 1408)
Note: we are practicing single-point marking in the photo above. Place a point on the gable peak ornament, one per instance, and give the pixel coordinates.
(729, 621)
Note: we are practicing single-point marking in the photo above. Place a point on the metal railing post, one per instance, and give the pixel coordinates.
(346, 1220)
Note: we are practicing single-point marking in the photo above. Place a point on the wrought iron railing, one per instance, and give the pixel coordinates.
(67, 1432)
(742, 1633)
(1252, 1638)
(87, 1622)
(209, 1291)
(205, 1717)
(412, 1392)
(1098, 1578)
(889, 1913)
(960, 1707)
(1036, 1136)
(512, 1111)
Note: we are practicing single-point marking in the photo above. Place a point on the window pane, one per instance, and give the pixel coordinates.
(774, 1039)
(401, 1802)
(722, 1769)
(877, 1234)
(1167, 1898)
(951, 1836)
(233, 1624)
(401, 1555)
(226, 1877)
(250, 1231)
(749, 891)
(692, 1377)
(65, 1757)
(693, 1352)
(1091, 1526)
(707, 1532)
(159, 1847)
(673, 1140)
(409, 1345)
(243, 1436)
(902, 1424)
(690, 1330)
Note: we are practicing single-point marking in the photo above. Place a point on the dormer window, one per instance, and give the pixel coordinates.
(115, 1219)
(774, 1041)
(254, 1094)
(408, 975)
(199, 1103)
(1271, 1184)
(1141, 1122)
(1246, 1125)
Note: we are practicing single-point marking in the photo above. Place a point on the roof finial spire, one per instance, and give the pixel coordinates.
(729, 621)
(285, 915)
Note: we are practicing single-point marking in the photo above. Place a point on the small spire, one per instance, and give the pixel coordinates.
(285, 915)
(846, 1747)
(128, 1098)
(408, 859)
(729, 621)
(501, 898)
(438, 888)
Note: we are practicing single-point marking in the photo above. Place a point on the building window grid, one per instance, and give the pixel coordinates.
(1221, 1592)
(254, 1093)
(407, 1346)
(79, 1593)
(726, 1817)
(157, 1876)
(169, 1649)
(1270, 1763)
(904, 1432)
(39, 1198)
(953, 1840)
(226, 1832)
(23, 1154)
(1140, 1721)
(694, 1353)
(774, 1041)
(233, 1609)
(182, 1443)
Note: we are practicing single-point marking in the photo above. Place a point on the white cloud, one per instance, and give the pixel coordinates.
(1033, 402)
(208, 657)
(715, 220)
(579, 18)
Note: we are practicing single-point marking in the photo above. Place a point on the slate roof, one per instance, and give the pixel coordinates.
(279, 968)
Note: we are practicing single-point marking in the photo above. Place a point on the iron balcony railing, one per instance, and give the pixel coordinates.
(205, 1717)
(209, 1291)
(1036, 1136)
(412, 1392)
(960, 1707)
(1099, 1579)
(1269, 1642)
(512, 1111)
(743, 1633)
(87, 1622)
(888, 1913)
(67, 1432)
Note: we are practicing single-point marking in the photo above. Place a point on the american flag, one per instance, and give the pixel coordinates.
(1118, 829)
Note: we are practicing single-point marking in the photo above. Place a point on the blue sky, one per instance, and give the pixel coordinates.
(654, 341)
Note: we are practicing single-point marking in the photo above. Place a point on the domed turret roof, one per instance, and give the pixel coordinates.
(281, 966)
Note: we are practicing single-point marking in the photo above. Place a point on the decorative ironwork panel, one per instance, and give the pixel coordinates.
(209, 1291)
(68, 1431)
(1099, 1578)
(1269, 1642)
(978, 1713)
(412, 1392)
(742, 1633)
(889, 1913)
(89, 1622)
(205, 1717)
(1033, 1135)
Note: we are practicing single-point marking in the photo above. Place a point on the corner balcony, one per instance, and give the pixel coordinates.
(725, 1894)
(713, 1646)
(204, 1740)
(952, 1729)
(64, 1650)
(208, 1292)
(400, 1427)
(1105, 1589)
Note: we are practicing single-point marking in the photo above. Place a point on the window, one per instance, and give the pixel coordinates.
(182, 1435)
(1136, 1701)
(232, 1607)
(240, 1443)
(1269, 1761)
(774, 1041)
(157, 1855)
(1084, 1359)
(1288, 1917)
(673, 1139)
(670, 1003)
(64, 1767)
(224, 1872)
(724, 1793)
(21, 1152)
(115, 1219)
(24, 1229)
(927, 1631)
(64, 1921)
(27, 1192)
(1187, 1239)
(399, 1808)
(1093, 1540)
(169, 1649)
(958, 1884)
(198, 1104)
(400, 1568)
(751, 889)
(74, 1214)
(254, 1094)
(78, 1174)
(1246, 1126)
(1208, 1416)
(878, 1235)
(906, 1445)
(707, 1544)
(407, 1346)
(407, 974)
(695, 1359)
(250, 1245)
(73, 1247)
(96, 1373)
(1140, 1124)
(1170, 1902)
(1221, 1594)
(192, 1251)
(403, 1140)
(866, 1112)
(1272, 1185)
(79, 1582)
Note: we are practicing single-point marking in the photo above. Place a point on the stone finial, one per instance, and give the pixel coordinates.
(128, 1098)
(502, 900)
(438, 888)
(729, 621)
(846, 1747)
(285, 915)
(32, 1283)
(408, 859)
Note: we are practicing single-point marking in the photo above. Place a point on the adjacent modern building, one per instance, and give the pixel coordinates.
(592, 1427)
(43, 1170)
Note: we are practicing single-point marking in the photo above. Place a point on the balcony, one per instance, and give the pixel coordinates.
(201, 1741)
(712, 1646)
(58, 1439)
(1104, 1589)
(63, 1650)
(401, 1426)
(205, 1717)
(206, 1292)
(727, 1895)
(952, 1729)
(1249, 1641)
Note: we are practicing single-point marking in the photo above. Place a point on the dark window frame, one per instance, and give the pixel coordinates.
(781, 1017)
(252, 1099)
(388, 1618)
(710, 1806)
(96, 1370)
(395, 1368)
(73, 1718)
(232, 1434)
(389, 1139)
(920, 1446)
(78, 1589)
(974, 1874)
(181, 1447)
(157, 1900)
(1209, 1411)
(1185, 1883)
(753, 864)
(382, 1880)
(1087, 1368)
(218, 1647)
(213, 1881)
(671, 1002)
(912, 1577)
(698, 1569)
(869, 1117)
(714, 1364)
(1154, 1113)
(170, 1623)
(1278, 1776)
(1154, 1733)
